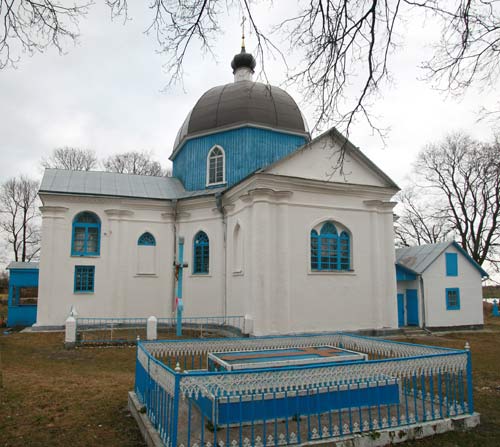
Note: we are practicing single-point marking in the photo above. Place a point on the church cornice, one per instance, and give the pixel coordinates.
(278, 182)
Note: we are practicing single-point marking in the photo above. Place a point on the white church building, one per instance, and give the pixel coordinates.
(269, 232)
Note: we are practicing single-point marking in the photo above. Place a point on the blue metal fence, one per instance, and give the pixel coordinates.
(129, 330)
(400, 384)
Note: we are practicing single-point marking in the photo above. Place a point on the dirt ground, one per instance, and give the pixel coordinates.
(54, 397)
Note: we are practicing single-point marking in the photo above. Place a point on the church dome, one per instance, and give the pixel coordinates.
(243, 102)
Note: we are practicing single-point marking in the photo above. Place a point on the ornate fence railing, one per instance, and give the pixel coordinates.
(129, 330)
(399, 385)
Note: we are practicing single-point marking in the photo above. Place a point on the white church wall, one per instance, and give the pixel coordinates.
(469, 283)
(119, 288)
(203, 294)
(285, 295)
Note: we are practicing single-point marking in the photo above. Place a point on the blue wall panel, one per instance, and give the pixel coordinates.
(451, 264)
(247, 149)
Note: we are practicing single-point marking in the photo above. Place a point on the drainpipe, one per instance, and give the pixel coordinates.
(172, 308)
(220, 207)
(422, 294)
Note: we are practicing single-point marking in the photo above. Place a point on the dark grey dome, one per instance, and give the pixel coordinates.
(243, 102)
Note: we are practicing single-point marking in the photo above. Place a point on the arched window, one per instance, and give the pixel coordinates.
(201, 253)
(146, 254)
(330, 251)
(146, 239)
(216, 166)
(86, 235)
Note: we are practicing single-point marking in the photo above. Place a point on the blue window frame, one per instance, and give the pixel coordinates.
(147, 239)
(453, 299)
(330, 251)
(86, 236)
(451, 264)
(84, 278)
(201, 253)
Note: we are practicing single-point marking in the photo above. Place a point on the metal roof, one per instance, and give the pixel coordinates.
(242, 102)
(420, 257)
(23, 266)
(96, 183)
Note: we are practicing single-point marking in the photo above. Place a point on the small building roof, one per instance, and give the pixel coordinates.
(420, 257)
(23, 266)
(112, 184)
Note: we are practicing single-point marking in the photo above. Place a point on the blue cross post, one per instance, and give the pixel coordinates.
(179, 266)
(495, 309)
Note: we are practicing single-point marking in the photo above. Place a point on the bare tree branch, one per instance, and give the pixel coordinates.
(19, 217)
(71, 158)
(459, 195)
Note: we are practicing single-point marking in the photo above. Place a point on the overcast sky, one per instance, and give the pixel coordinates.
(107, 94)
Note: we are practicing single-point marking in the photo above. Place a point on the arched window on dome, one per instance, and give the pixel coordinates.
(330, 248)
(216, 166)
(86, 235)
(201, 253)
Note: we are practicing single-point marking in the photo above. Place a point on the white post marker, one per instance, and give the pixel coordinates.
(70, 332)
(152, 328)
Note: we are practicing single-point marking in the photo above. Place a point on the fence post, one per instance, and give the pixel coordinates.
(152, 328)
(70, 333)
(470, 397)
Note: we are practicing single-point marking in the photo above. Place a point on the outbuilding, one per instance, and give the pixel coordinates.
(439, 286)
(23, 293)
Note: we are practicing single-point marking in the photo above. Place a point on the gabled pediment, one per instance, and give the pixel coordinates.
(332, 158)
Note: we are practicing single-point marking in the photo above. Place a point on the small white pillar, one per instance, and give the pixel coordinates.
(70, 332)
(248, 325)
(152, 328)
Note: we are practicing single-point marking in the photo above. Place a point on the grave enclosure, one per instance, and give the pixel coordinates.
(294, 390)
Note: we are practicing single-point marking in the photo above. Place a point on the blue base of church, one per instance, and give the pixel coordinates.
(249, 409)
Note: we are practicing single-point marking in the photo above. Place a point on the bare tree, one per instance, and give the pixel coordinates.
(140, 163)
(422, 220)
(346, 45)
(19, 217)
(32, 26)
(461, 180)
(71, 158)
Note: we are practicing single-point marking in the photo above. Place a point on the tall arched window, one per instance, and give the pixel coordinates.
(146, 239)
(201, 253)
(86, 236)
(330, 251)
(146, 254)
(216, 166)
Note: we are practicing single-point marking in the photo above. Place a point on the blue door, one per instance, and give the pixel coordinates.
(412, 307)
(401, 309)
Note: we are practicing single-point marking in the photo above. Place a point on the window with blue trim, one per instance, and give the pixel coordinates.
(453, 299)
(86, 235)
(330, 249)
(451, 264)
(201, 253)
(147, 239)
(84, 278)
(216, 166)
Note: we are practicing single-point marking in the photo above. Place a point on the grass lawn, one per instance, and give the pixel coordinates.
(55, 397)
